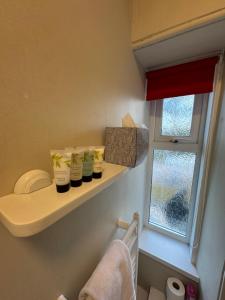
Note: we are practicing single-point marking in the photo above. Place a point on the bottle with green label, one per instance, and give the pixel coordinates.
(98, 162)
(76, 171)
(88, 164)
(61, 165)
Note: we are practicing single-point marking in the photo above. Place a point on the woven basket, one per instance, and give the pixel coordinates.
(126, 146)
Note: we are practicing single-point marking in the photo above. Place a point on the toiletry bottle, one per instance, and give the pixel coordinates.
(88, 164)
(61, 166)
(191, 292)
(76, 170)
(98, 162)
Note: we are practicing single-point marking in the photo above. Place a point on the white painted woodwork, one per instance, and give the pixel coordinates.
(152, 18)
(184, 46)
(168, 32)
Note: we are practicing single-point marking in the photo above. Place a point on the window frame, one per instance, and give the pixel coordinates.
(193, 143)
(196, 119)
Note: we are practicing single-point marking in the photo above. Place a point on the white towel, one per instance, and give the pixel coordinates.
(112, 279)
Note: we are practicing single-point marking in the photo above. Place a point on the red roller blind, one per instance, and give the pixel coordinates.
(185, 79)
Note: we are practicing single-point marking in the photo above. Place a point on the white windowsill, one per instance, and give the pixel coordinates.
(168, 251)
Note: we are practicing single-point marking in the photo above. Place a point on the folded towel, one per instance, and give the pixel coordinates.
(112, 279)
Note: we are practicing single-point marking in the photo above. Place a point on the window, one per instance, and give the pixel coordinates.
(177, 126)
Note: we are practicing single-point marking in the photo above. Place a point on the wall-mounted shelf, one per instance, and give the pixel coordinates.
(27, 214)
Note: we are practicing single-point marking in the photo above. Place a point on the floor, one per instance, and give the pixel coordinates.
(141, 294)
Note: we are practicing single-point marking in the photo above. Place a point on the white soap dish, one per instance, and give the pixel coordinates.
(32, 181)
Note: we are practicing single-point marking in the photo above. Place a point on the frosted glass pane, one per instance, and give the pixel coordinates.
(177, 116)
(171, 189)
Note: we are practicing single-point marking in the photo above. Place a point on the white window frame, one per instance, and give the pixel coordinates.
(195, 122)
(189, 144)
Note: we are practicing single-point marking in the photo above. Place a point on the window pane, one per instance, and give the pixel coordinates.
(177, 116)
(171, 189)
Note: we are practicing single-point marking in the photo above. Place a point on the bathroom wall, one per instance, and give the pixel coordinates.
(212, 246)
(67, 71)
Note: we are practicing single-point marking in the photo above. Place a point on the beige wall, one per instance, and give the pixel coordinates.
(152, 18)
(67, 71)
(211, 256)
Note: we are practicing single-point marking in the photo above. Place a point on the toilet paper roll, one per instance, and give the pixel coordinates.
(174, 289)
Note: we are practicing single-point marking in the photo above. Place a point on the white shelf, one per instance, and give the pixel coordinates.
(26, 215)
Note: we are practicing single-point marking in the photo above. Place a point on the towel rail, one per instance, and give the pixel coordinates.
(131, 243)
(130, 231)
(131, 240)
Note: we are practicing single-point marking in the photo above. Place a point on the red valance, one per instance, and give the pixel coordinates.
(186, 79)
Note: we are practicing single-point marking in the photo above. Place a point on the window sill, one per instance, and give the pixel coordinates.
(168, 251)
